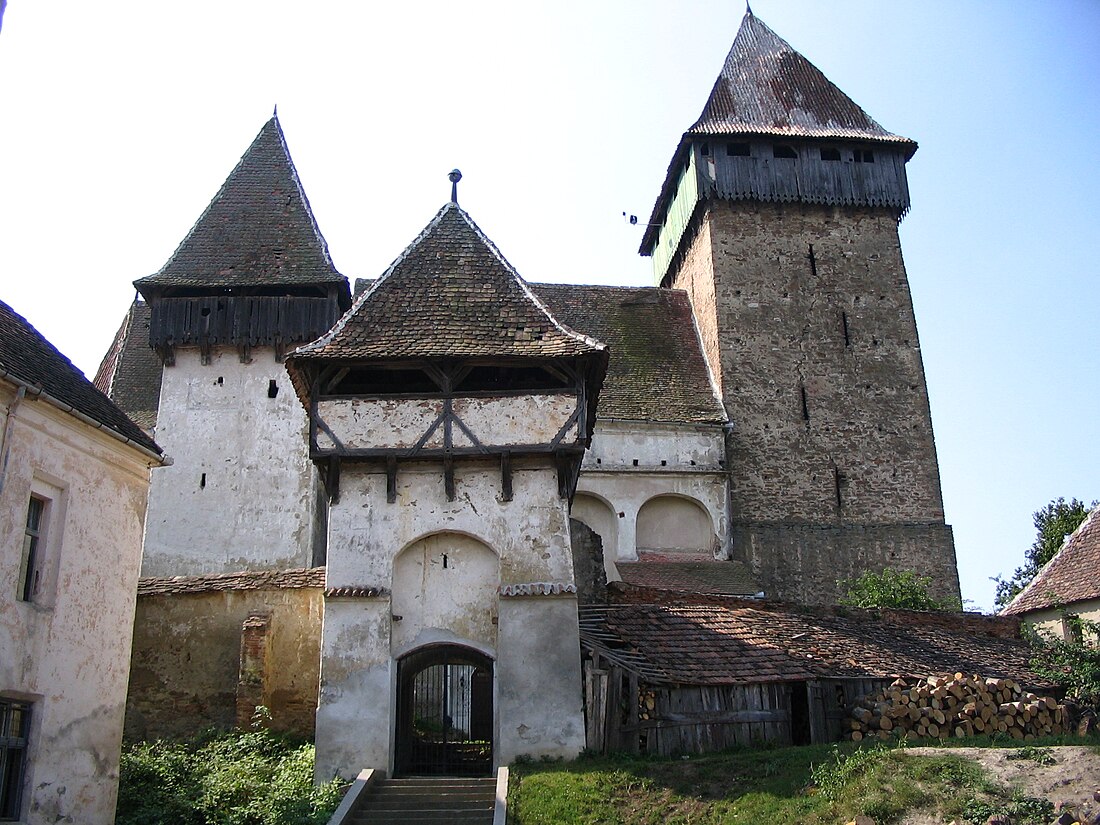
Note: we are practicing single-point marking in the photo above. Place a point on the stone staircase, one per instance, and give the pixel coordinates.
(426, 800)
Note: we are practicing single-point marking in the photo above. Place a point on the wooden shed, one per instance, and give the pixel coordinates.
(697, 674)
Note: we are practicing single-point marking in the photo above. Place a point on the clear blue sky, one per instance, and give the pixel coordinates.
(119, 120)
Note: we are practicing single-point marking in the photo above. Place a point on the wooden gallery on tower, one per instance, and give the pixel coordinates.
(423, 520)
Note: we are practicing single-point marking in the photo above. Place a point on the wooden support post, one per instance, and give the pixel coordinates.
(391, 479)
(505, 476)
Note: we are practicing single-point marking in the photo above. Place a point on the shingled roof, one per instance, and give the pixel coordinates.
(258, 231)
(656, 371)
(130, 373)
(767, 88)
(450, 294)
(734, 643)
(28, 358)
(1073, 575)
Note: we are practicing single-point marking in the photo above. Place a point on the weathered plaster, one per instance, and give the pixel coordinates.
(1051, 621)
(240, 495)
(69, 652)
(186, 657)
(488, 542)
(672, 460)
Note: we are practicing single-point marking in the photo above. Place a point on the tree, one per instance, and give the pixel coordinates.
(1052, 524)
(902, 589)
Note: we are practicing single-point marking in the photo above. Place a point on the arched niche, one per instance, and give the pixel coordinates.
(674, 524)
(597, 514)
(445, 589)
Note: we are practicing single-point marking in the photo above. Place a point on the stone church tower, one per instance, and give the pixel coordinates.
(779, 218)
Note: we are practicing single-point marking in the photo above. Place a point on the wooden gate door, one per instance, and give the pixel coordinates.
(444, 713)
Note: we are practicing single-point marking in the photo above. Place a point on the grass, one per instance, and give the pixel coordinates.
(815, 785)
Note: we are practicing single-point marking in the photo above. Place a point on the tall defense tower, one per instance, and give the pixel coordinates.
(252, 280)
(779, 217)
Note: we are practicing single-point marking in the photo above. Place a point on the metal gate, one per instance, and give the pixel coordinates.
(444, 713)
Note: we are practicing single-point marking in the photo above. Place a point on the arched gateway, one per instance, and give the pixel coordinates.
(444, 713)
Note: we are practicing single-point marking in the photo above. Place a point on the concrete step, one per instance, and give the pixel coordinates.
(428, 800)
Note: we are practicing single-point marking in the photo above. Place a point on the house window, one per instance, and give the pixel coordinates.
(863, 156)
(34, 546)
(829, 153)
(15, 720)
(782, 150)
(738, 150)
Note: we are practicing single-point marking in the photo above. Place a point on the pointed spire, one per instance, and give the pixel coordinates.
(257, 231)
(768, 88)
(450, 294)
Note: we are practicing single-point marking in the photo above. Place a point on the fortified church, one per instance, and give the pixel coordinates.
(399, 492)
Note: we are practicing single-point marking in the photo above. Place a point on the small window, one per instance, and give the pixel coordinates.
(863, 156)
(738, 150)
(830, 153)
(15, 718)
(704, 149)
(31, 578)
(783, 150)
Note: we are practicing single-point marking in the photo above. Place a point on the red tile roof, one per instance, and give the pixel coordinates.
(689, 575)
(130, 373)
(1073, 575)
(731, 642)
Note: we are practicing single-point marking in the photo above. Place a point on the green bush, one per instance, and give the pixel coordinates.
(232, 778)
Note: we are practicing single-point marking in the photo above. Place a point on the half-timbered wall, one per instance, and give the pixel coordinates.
(397, 423)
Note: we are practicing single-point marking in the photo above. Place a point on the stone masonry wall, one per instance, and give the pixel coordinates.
(804, 563)
(821, 375)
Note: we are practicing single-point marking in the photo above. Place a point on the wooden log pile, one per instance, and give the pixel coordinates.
(957, 706)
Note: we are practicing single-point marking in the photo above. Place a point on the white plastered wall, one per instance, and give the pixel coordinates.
(692, 457)
(67, 652)
(533, 640)
(241, 494)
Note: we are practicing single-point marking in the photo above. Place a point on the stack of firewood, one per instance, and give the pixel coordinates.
(647, 702)
(962, 705)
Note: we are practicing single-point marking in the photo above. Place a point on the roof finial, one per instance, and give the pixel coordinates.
(454, 177)
(275, 112)
(748, 8)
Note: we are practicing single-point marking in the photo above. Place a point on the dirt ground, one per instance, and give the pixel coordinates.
(1070, 781)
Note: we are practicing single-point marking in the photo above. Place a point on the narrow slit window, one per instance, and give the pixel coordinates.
(202, 481)
(805, 403)
(272, 388)
(844, 327)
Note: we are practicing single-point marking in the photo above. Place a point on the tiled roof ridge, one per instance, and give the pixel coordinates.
(292, 578)
(424, 233)
(272, 122)
(1032, 597)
